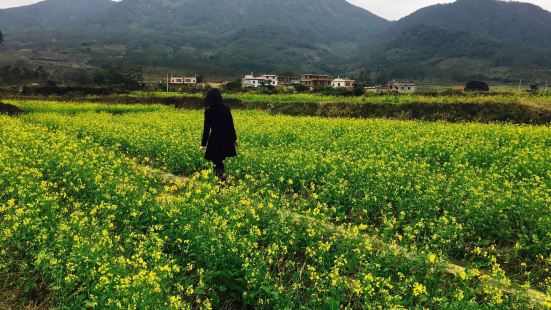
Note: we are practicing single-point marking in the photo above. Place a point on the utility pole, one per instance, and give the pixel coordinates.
(546, 84)
(520, 85)
(167, 82)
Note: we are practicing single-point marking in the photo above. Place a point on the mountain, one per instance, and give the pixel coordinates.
(323, 20)
(485, 39)
(517, 22)
(50, 13)
(240, 35)
(213, 36)
(429, 52)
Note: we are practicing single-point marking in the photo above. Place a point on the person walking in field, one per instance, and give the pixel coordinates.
(219, 136)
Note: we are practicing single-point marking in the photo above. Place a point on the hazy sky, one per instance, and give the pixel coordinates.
(391, 9)
(395, 9)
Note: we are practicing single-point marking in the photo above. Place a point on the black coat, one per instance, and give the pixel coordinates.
(219, 133)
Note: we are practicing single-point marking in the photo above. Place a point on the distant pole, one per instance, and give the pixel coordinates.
(519, 85)
(167, 82)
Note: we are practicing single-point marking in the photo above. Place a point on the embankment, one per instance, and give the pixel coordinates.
(488, 112)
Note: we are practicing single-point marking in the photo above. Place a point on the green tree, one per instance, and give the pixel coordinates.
(477, 86)
(127, 78)
(233, 85)
(358, 89)
(365, 77)
(380, 77)
(299, 88)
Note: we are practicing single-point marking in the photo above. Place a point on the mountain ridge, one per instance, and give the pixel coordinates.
(51, 13)
(430, 52)
(229, 37)
(516, 22)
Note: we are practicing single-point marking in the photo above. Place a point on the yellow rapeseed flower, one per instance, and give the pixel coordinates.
(419, 289)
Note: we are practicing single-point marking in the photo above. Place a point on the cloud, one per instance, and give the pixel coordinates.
(12, 3)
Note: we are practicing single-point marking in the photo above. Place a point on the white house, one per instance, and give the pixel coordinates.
(259, 81)
(183, 80)
(403, 88)
(342, 83)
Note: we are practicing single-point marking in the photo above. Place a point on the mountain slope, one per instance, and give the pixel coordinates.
(329, 19)
(50, 13)
(429, 52)
(517, 22)
(468, 38)
(484, 39)
(211, 35)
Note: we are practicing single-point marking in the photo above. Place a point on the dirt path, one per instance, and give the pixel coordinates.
(10, 110)
(13, 297)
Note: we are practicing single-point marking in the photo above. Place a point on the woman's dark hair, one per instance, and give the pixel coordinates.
(213, 98)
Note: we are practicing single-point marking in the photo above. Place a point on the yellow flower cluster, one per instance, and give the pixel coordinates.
(419, 289)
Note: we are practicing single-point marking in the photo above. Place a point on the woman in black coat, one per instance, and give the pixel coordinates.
(219, 137)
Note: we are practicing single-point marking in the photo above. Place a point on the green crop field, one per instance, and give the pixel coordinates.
(111, 206)
(512, 97)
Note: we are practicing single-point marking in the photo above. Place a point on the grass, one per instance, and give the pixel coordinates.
(515, 98)
(486, 108)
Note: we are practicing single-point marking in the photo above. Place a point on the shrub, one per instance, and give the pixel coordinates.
(477, 86)
(330, 91)
(299, 88)
(534, 88)
(233, 85)
(358, 89)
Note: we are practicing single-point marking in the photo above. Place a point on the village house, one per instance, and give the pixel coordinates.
(183, 80)
(402, 88)
(315, 80)
(378, 89)
(342, 83)
(260, 81)
(288, 80)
